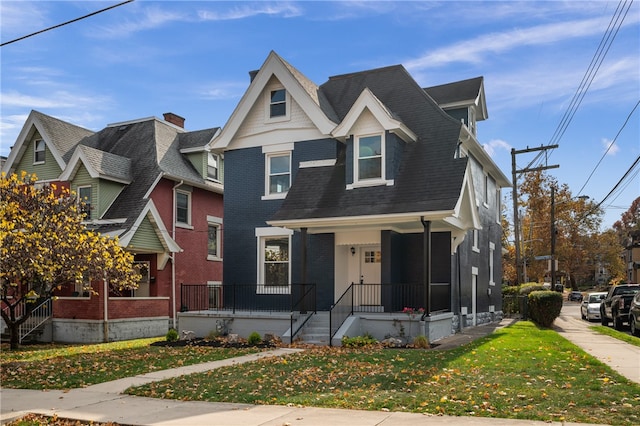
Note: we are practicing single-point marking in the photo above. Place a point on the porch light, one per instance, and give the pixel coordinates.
(353, 251)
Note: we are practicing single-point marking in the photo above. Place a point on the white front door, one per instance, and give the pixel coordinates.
(370, 273)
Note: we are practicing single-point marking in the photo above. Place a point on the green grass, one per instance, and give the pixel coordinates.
(616, 334)
(519, 372)
(75, 366)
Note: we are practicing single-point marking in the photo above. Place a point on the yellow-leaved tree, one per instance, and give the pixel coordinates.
(44, 246)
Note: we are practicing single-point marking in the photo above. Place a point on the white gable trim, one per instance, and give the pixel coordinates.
(273, 66)
(367, 100)
(79, 157)
(161, 230)
(465, 210)
(22, 146)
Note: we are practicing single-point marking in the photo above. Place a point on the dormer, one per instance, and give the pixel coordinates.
(463, 100)
(373, 135)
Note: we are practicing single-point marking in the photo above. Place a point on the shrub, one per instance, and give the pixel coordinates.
(421, 341)
(254, 338)
(358, 341)
(510, 290)
(526, 289)
(544, 307)
(213, 335)
(172, 335)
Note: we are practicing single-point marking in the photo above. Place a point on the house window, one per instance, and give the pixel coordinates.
(372, 256)
(183, 207)
(486, 191)
(278, 103)
(476, 237)
(39, 149)
(84, 201)
(213, 166)
(471, 125)
(369, 162)
(278, 173)
(492, 249)
(275, 261)
(212, 241)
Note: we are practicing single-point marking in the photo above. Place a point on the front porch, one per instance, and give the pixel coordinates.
(381, 310)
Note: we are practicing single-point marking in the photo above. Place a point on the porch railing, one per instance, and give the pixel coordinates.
(38, 316)
(248, 298)
(386, 298)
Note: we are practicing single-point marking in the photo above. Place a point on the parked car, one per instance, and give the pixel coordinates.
(615, 305)
(590, 306)
(634, 315)
(574, 296)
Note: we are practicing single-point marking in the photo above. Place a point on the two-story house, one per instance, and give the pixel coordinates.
(152, 184)
(368, 186)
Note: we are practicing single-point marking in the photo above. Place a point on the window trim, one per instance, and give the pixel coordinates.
(287, 102)
(217, 223)
(80, 199)
(475, 240)
(492, 250)
(262, 234)
(377, 181)
(36, 151)
(189, 208)
(217, 168)
(267, 179)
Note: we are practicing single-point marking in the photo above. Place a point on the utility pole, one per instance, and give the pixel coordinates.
(553, 237)
(514, 174)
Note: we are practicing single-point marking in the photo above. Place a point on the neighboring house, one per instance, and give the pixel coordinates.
(155, 186)
(366, 180)
(632, 257)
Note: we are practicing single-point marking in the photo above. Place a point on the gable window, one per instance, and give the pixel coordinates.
(278, 103)
(213, 162)
(84, 201)
(278, 173)
(39, 150)
(183, 207)
(369, 163)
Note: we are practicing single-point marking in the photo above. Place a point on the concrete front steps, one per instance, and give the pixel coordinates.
(316, 331)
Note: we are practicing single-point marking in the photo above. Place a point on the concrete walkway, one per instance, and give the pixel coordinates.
(104, 402)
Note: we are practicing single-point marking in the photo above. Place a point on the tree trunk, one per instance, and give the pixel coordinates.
(14, 330)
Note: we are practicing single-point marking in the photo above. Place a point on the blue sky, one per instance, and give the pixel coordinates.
(192, 58)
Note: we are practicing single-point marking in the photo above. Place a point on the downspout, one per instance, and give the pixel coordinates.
(173, 256)
(105, 324)
(426, 265)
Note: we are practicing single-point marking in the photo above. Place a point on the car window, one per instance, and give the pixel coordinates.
(594, 299)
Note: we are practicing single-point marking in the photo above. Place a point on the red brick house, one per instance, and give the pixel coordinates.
(155, 186)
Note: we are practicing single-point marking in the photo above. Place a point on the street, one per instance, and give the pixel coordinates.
(572, 309)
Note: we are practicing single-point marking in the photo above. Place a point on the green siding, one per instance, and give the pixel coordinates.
(107, 191)
(47, 171)
(146, 238)
(83, 178)
(199, 161)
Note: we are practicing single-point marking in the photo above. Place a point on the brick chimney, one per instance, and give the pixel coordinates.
(174, 119)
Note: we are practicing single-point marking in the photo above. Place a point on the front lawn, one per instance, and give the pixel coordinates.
(75, 366)
(518, 372)
(633, 340)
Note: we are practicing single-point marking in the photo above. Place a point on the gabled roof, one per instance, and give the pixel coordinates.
(99, 164)
(429, 181)
(59, 136)
(301, 89)
(460, 94)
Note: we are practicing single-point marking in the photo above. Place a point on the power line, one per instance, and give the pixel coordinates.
(610, 145)
(66, 23)
(635, 163)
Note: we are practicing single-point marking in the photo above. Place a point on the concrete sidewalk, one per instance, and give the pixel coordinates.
(104, 402)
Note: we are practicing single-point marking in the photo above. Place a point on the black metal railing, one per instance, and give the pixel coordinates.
(248, 297)
(387, 298)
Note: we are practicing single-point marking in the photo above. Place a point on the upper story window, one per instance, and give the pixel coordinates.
(213, 166)
(39, 150)
(278, 103)
(183, 207)
(278, 173)
(84, 201)
(369, 158)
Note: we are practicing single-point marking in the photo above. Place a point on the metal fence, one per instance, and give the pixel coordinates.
(248, 297)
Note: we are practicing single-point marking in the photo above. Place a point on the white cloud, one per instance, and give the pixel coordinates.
(286, 10)
(222, 90)
(496, 144)
(22, 18)
(476, 50)
(610, 148)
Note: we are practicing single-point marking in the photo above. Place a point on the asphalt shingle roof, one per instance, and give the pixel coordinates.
(459, 91)
(429, 178)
